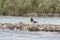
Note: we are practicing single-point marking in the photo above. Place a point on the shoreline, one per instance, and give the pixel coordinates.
(32, 16)
(31, 27)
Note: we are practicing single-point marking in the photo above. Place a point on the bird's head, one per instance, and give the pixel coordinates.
(30, 19)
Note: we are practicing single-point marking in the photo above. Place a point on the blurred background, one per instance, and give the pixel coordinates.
(30, 7)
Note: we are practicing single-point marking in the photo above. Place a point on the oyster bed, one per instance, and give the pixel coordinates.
(31, 27)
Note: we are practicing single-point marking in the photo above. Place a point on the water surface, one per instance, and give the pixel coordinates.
(40, 20)
(25, 35)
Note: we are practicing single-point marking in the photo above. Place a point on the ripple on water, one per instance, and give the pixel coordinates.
(23, 35)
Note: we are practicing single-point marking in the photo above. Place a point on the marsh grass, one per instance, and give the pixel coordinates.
(19, 7)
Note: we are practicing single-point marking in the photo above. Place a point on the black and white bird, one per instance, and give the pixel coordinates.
(33, 20)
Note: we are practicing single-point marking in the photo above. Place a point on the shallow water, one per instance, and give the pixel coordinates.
(40, 20)
(25, 35)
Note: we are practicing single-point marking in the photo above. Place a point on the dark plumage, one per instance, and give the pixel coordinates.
(33, 21)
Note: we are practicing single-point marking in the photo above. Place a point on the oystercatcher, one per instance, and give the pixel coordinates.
(33, 21)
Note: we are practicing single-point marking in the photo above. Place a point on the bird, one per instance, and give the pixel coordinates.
(33, 20)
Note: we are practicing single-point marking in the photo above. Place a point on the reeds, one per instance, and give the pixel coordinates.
(19, 7)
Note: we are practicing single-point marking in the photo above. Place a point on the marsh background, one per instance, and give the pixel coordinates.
(21, 7)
